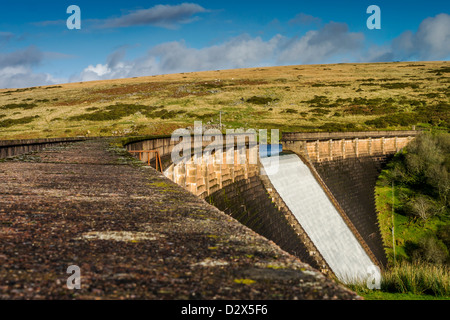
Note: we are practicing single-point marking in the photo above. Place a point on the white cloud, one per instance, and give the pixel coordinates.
(239, 52)
(333, 42)
(16, 69)
(95, 72)
(318, 46)
(430, 42)
(23, 76)
(175, 57)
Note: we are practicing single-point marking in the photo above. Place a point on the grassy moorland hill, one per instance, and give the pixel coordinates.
(292, 98)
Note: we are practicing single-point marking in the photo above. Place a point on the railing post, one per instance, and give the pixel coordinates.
(158, 163)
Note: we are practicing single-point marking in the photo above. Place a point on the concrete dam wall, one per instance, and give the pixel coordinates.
(318, 216)
(319, 206)
(349, 164)
(249, 202)
(328, 146)
(352, 183)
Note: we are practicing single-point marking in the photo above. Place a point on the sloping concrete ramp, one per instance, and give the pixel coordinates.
(319, 218)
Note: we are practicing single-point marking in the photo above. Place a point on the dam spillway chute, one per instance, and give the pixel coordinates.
(318, 216)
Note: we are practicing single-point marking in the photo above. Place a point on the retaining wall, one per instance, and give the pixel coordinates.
(10, 148)
(352, 183)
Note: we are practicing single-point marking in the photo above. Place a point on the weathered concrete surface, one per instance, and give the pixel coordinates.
(133, 233)
(352, 182)
(248, 202)
(319, 218)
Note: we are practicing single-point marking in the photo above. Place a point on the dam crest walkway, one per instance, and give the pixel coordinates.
(133, 233)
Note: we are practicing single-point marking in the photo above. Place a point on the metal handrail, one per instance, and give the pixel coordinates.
(157, 160)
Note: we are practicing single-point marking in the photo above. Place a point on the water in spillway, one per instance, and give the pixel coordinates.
(306, 199)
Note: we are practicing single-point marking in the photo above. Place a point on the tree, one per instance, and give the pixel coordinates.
(422, 206)
(432, 250)
(422, 152)
(428, 166)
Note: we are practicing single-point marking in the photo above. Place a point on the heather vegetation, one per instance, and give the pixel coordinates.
(338, 97)
(119, 111)
(14, 122)
(24, 106)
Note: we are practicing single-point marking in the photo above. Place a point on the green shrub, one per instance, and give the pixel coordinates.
(437, 114)
(440, 70)
(431, 95)
(260, 100)
(25, 106)
(320, 111)
(203, 117)
(116, 112)
(431, 249)
(289, 110)
(211, 85)
(400, 85)
(422, 193)
(394, 120)
(335, 127)
(164, 114)
(318, 100)
(12, 122)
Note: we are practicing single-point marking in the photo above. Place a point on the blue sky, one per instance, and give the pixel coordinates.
(131, 38)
